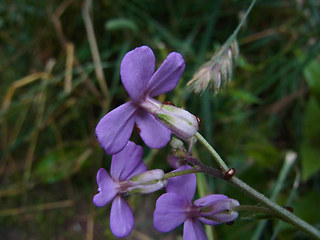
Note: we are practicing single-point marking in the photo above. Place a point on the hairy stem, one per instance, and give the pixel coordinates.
(94, 48)
(254, 209)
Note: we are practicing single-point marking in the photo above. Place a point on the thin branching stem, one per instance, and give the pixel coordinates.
(283, 213)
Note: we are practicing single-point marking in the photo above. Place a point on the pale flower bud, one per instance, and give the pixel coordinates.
(177, 144)
(180, 122)
(221, 211)
(147, 182)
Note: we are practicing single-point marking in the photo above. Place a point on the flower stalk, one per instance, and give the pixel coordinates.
(180, 173)
(279, 211)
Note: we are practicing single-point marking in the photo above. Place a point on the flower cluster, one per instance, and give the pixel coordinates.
(155, 122)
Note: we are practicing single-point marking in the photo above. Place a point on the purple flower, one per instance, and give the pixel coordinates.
(128, 174)
(176, 207)
(142, 84)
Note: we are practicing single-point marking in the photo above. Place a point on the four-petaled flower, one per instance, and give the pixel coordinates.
(176, 207)
(142, 84)
(128, 174)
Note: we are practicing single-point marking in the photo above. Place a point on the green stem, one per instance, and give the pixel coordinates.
(254, 209)
(233, 36)
(288, 163)
(179, 173)
(278, 210)
(235, 32)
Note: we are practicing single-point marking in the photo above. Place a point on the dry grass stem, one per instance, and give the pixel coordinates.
(69, 67)
(36, 208)
(94, 47)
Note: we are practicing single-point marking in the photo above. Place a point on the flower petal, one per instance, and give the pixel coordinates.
(152, 131)
(137, 68)
(192, 229)
(220, 218)
(219, 211)
(208, 221)
(167, 76)
(115, 128)
(107, 189)
(128, 162)
(209, 199)
(223, 217)
(218, 206)
(121, 218)
(169, 212)
(184, 185)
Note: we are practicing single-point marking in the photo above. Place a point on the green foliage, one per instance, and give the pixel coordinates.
(305, 207)
(121, 24)
(310, 146)
(263, 152)
(310, 160)
(61, 163)
(312, 75)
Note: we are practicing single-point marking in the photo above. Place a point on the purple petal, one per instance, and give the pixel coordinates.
(175, 161)
(220, 211)
(107, 189)
(169, 212)
(115, 128)
(223, 217)
(192, 229)
(127, 163)
(153, 133)
(208, 221)
(121, 218)
(167, 76)
(209, 199)
(184, 185)
(220, 218)
(137, 68)
(221, 205)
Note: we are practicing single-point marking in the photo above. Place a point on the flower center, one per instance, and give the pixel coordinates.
(150, 105)
(193, 211)
(123, 186)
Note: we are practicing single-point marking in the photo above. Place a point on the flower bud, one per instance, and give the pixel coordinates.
(221, 210)
(180, 122)
(177, 144)
(147, 182)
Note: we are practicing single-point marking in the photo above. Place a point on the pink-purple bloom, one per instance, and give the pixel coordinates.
(128, 174)
(176, 207)
(142, 84)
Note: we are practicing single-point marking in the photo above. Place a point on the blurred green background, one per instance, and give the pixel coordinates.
(53, 93)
